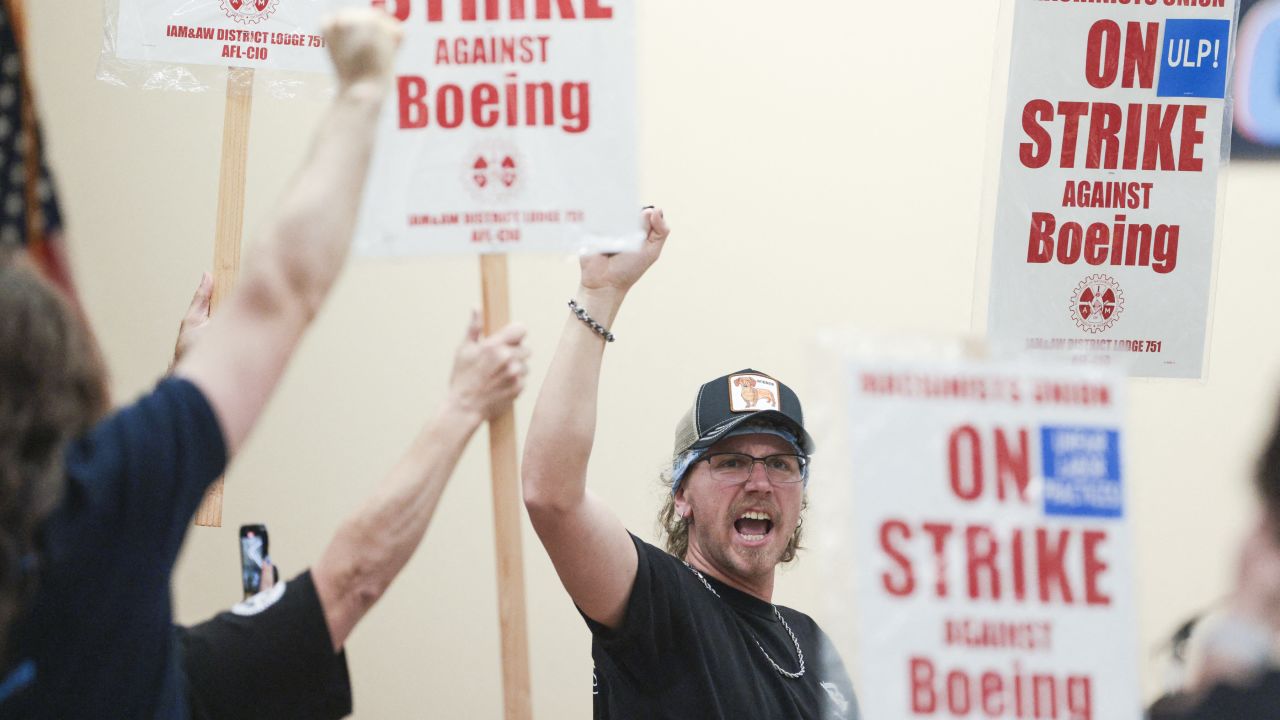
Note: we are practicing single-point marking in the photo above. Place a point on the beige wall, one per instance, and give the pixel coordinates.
(822, 165)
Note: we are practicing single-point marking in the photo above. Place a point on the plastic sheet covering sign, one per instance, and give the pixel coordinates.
(994, 559)
(258, 34)
(512, 129)
(1107, 206)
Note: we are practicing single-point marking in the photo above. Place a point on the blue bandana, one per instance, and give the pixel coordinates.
(685, 460)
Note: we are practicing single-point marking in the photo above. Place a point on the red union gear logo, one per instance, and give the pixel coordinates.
(494, 171)
(249, 11)
(1097, 303)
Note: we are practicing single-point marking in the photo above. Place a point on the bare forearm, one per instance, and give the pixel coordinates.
(288, 272)
(307, 239)
(564, 419)
(373, 546)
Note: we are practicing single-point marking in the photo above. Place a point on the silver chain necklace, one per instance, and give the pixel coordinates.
(794, 641)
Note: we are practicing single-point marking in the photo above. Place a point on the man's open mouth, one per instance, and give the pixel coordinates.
(753, 525)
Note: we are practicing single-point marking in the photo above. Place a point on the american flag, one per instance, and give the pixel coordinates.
(28, 206)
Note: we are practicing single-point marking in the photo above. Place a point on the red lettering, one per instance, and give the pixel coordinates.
(1140, 55)
(1192, 136)
(1097, 243)
(958, 700)
(981, 546)
(1019, 566)
(485, 105)
(1071, 113)
(1040, 244)
(992, 694)
(564, 6)
(924, 701)
(413, 108)
(483, 101)
(1035, 154)
(398, 9)
(1159, 144)
(1051, 560)
(593, 10)
(1102, 54)
(1105, 122)
(1094, 566)
(449, 106)
(939, 532)
(1132, 135)
(905, 583)
(966, 435)
(1012, 465)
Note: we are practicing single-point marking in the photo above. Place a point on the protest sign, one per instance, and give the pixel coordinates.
(513, 129)
(994, 551)
(1108, 203)
(257, 34)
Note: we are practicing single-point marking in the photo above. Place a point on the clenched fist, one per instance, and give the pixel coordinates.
(362, 43)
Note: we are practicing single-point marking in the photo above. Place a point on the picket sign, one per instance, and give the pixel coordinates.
(230, 227)
(511, 129)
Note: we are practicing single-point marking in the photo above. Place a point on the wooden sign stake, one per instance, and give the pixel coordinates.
(230, 227)
(507, 514)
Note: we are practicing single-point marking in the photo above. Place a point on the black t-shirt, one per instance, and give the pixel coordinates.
(682, 652)
(99, 633)
(1259, 700)
(269, 657)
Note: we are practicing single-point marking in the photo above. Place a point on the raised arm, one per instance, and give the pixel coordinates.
(587, 543)
(371, 548)
(289, 270)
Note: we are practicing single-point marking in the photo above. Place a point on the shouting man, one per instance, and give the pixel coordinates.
(691, 632)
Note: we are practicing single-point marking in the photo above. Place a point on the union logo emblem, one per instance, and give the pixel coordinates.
(1097, 303)
(494, 171)
(249, 11)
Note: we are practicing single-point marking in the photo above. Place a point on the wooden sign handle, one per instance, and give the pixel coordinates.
(507, 514)
(230, 227)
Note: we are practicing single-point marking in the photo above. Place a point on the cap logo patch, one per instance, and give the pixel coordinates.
(752, 393)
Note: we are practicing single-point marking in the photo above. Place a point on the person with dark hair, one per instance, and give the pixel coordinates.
(53, 389)
(279, 654)
(691, 632)
(1237, 677)
(94, 513)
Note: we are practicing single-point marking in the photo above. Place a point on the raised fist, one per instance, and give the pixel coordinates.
(362, 43)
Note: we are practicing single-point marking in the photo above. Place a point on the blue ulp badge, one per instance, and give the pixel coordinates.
(1082, 472)
(1193, 62)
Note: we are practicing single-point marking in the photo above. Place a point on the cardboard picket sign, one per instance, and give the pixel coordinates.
(992, 543)
(255, 34)
(1110, 181)
(512, 129)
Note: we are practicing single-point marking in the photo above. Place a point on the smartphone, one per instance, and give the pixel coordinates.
(253, 552)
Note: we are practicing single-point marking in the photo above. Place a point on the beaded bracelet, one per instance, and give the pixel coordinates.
(596, 327)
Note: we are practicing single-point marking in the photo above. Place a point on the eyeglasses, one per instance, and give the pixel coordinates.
(735, 468)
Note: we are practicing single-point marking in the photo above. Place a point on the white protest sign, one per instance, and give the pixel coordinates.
(994, 551)
(1107, 207)
(512, 128)
(257, 34)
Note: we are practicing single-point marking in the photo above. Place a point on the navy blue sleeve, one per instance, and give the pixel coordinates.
(100, 626)
(140, 473)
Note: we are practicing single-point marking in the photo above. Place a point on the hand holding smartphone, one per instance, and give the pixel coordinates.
(253, 553)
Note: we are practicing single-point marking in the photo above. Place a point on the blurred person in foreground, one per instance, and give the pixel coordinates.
(691, 632)
(94, 506)
(279, 654)
(1237, 677)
